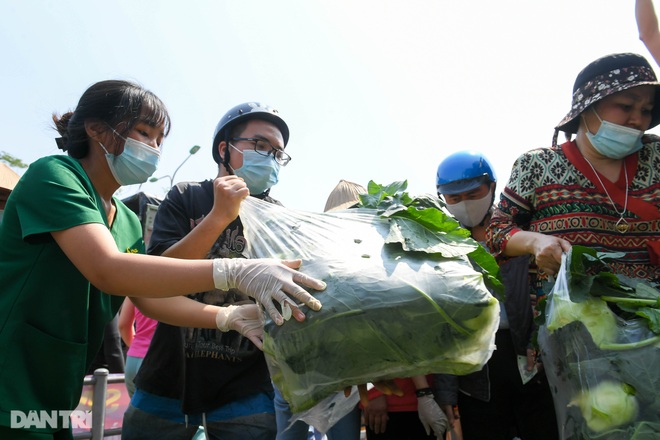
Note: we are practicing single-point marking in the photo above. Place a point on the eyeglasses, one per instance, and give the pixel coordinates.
(264, 148)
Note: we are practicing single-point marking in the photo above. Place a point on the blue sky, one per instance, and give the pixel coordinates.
(371, 89)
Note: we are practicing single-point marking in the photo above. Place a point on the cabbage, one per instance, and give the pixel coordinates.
(406, 294)
(608, 405)
(594, 314)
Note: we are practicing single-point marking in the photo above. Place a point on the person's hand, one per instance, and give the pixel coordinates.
(268, 280)
(375, 414)
(228, 193)
(245, 319)
(547, 251)
(432, 416)
(533, 360)
(451, 414)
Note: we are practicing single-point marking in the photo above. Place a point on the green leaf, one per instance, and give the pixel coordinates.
(590, 275)
(653, 318)
(487, 265)
(645, 291)
(392, 197)
(414, 236)
(435, 232)
(580, 283)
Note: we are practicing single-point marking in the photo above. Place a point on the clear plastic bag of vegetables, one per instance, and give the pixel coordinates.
(600, 348)
(403, 296)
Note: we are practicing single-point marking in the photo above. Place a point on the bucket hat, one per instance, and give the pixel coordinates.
(605, 76)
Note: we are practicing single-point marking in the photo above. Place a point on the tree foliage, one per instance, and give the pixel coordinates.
(11, 160)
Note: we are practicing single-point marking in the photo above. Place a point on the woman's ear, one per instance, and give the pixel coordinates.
(94, 129)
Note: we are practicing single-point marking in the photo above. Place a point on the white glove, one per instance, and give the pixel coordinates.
(432, 416)
(245, 319)
(267, 280)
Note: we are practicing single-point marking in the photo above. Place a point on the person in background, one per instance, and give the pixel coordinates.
(647, 24)
(136, 331)
(111, 355)
(494, 403)
(344, 196)
(69, 251)
(194, 376)
(600, 189)
(412, 414)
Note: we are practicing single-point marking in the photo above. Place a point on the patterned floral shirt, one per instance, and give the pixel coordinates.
(546, 193)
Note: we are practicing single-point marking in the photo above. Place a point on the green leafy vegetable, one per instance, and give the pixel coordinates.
(593, 313)
(608, 405)
(600, 344)
(443, 231)
(406, 293)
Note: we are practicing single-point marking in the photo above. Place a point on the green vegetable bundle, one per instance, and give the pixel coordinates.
(405, 296)
(600, 348)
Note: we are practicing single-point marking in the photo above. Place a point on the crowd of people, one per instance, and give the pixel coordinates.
(191, 308)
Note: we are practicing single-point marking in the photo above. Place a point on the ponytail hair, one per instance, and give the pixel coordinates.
(120, 104)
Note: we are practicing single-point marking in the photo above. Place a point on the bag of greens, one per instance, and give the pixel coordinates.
(599, 346)
(406, 294)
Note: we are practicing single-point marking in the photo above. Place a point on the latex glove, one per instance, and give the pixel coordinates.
(432, 416)
(268, 280)
(245, 319)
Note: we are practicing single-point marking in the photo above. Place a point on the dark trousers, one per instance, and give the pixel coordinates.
(402, 426)
(111, 354)
(514, 409)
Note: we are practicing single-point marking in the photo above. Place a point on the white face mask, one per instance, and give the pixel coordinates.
(471, 212)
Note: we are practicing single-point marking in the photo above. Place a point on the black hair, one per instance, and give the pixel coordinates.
(120, 104)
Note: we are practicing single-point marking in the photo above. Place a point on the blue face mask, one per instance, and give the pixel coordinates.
(615, 141)
(135, 164)
(258, 171)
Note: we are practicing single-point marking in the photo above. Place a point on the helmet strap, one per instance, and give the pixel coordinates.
(225, 160)
(263, 195)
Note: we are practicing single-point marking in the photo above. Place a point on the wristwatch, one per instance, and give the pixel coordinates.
(424, 392)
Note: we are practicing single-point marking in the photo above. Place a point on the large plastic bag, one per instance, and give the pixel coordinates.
(386, 313)
(603, 369)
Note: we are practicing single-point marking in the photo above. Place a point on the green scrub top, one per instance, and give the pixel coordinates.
(51, 318)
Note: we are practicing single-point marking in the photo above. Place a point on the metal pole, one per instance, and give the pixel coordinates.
(98, 402)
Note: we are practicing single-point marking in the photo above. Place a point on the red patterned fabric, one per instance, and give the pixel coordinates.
(546, 193)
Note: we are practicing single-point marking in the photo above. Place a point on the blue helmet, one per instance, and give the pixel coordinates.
(243, 113)
(463, 171)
